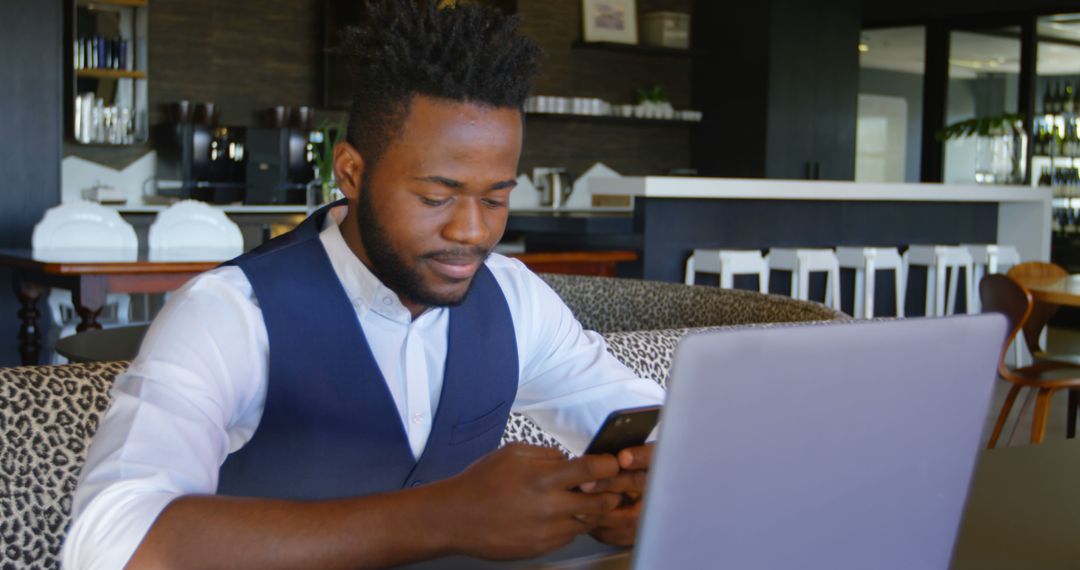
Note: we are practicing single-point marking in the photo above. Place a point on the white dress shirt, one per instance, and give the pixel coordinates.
(196, 391)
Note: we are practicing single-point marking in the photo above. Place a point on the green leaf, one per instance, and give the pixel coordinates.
(983, 126)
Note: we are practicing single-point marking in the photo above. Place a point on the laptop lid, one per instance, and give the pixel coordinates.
(843, 446)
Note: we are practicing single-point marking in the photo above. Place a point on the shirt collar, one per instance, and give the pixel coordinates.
(364, 289)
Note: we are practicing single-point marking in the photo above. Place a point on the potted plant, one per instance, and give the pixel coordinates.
(323, 187)
(652, 103)
(1000, 146)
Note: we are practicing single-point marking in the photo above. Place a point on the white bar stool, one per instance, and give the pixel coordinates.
(728, 263)
(938, 259)
(990, 258)
(803, 261)
(866, 261)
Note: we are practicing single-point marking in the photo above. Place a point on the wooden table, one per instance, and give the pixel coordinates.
(600, 263)
(91, 281)
(1054, 290)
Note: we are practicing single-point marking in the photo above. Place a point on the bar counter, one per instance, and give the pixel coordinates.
(676, 215)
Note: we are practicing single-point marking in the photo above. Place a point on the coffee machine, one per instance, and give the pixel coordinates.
(278, 167)
(198, 159)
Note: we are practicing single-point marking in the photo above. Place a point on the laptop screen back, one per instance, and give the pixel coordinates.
(839, 446)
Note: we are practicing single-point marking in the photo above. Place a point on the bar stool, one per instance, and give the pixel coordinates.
(728, 263)
(866, 261)
(989, 259)
(938, 259)
(803, 261)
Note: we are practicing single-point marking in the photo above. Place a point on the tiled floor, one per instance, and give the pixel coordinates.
(1059, 340)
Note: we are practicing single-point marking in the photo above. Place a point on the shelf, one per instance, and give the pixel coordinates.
(612, 120)
(77, 144)
(135, 3)
(110, 74)
(637, 49)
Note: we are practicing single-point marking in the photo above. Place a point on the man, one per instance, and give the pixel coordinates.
(342, 389)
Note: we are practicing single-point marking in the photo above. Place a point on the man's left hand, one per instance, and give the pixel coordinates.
(619, 527)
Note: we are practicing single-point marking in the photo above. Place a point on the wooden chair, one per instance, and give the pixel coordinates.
(1003, 294)
(1040, 317)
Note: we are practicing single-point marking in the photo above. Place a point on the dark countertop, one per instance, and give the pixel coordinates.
(576, 222)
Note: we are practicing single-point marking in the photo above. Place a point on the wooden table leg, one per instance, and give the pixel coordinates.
(28, 294)
(89, 297)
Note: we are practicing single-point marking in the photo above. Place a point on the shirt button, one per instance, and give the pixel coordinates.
(387, 301)
(417, 483)
(417, 418)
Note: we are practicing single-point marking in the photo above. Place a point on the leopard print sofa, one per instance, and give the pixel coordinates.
(48, 414)
(606, 304)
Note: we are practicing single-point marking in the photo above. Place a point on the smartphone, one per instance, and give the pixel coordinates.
(624, 428)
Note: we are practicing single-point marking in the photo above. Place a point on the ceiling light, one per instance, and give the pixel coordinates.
(864, 47)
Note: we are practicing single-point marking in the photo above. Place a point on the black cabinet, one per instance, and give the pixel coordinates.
(836, 88)
(779, 87)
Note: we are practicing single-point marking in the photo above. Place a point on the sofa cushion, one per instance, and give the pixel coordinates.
(47, 416)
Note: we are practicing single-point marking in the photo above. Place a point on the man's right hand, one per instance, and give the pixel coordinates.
(519, 501)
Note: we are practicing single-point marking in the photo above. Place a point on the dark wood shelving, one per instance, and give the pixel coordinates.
(638, 49)
(110, 74)
(612, 120)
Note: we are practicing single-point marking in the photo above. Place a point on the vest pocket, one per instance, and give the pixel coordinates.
(472, 429)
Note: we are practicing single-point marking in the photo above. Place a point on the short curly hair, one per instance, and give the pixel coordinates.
(463, 52)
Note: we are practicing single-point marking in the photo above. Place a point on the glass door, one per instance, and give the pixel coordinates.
(887, 136)
(984, 138)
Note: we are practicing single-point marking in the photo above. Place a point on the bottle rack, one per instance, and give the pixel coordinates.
(105, 77)
(1056, 136)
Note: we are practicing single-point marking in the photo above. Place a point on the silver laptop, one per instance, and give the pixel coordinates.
(847, 446)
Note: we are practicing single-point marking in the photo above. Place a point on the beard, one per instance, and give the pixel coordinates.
(395, 271)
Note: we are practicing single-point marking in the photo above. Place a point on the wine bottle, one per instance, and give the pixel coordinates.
(1067, 99)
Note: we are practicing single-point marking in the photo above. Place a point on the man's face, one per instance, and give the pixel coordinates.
(435, 203)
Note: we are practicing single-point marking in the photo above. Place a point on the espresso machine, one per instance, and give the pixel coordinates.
(278, 166)
(198, 159)
(279, 162)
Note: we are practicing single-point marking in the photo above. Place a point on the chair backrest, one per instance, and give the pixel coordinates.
(1002, 294)
(85, 230)
(1041, 313)
(194, 231)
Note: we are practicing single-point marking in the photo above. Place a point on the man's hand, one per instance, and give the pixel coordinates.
(619, 527)
(517, 502)
(520, 501)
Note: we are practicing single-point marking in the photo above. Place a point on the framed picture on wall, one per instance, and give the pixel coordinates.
(609, 21)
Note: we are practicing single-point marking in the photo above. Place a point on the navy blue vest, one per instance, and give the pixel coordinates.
(330, 428)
